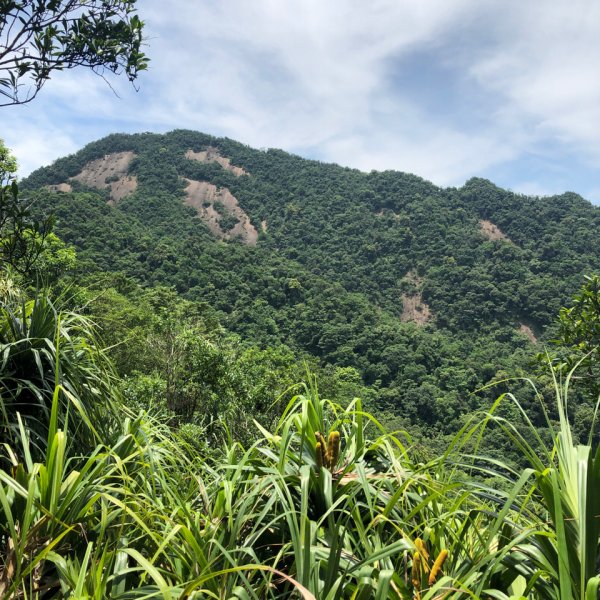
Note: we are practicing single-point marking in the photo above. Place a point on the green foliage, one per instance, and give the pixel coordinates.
(23, 240)
(8, 165)
(342, 255)
(42, 37)
(239, 486)
(51, 357)
(322, 502)
(579, 335)
(560, 558)
(165, 518)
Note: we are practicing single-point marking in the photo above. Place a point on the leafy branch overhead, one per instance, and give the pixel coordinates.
(38, 37)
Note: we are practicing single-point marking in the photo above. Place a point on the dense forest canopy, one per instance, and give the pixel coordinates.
(175, 312)
(427, 293)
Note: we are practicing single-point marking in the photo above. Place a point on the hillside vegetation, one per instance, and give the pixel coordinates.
(99, 500)
(423, 295)
(230, 373)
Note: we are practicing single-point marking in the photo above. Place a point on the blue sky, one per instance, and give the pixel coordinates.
(446, 89)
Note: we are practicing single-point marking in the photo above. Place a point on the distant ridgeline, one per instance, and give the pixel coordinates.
(429, 293)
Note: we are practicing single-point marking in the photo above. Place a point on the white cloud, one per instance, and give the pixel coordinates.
(533, 188)
(313, 74)
(545, 67)
(445, 157)
(328, 78)
(305, 74)
(36, 144)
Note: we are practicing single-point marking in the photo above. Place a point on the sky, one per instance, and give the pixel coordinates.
(508, 90)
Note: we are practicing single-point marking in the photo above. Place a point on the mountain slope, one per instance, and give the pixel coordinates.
(427, 292)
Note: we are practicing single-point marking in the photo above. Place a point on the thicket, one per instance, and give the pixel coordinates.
(341, 249)
(103, 500)
(176, 459)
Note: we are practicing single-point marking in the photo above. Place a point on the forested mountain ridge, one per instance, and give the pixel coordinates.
(428, 292)
(231, 373)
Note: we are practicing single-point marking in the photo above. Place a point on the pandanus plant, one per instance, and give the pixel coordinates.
(558, 558)
(44, 349)
(348, 506)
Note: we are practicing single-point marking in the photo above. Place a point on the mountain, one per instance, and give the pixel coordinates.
(427, 292)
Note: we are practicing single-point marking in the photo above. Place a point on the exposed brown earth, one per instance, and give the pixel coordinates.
(211, 155)
(110, 167)
(202, 196)
(525, 329)
(60, 187)
(491, 231)
(414, 310)
(107, 172)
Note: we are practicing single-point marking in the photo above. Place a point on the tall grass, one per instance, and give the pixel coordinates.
(561, 556)
(325, 505)
(143, 518)
(44, 350)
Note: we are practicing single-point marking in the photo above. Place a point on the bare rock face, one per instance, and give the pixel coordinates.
(212, 155)
(110, 171)
(213, 205)
(414, 310)
(204, 196)
(492, 231)
(60, 187)
(526, 330)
